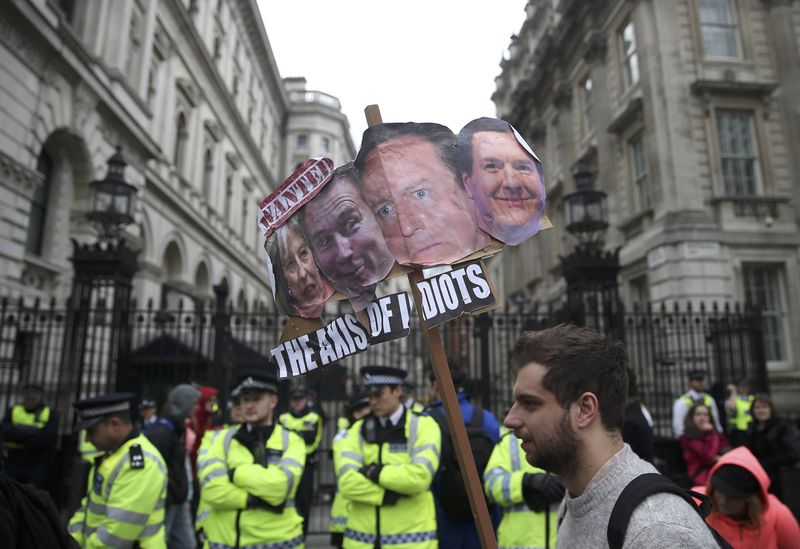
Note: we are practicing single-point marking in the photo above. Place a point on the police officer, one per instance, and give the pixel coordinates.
(695, 395)
(738, 406)
(148, 412)
(127, 486)
(528, 495)
(308, 425)
(250, 475)
(386, 466)
(357, 407)
(30, 430)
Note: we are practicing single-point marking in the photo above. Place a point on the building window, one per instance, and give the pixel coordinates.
(326, 144)
(638, 167)
(37, 217)
(630, 59)
(586, 105)
(228, 197)
(555, 144)
(208, 171)
(181, 136)
(302, 141)
(719, 29)
(763, 289)
(217, 48)
(737, 151)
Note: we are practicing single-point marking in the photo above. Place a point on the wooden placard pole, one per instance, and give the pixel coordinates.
(455, 421)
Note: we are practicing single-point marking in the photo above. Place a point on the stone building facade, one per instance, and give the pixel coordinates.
(191, 92)
(688, 114)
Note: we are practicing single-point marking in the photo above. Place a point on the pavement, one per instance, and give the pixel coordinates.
(318, 541)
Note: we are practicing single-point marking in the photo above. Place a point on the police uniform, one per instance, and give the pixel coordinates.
(521, 528)
(385, 468)
(739, 422)
(341, 505)
(30, 438)
(308, 425)
(248, 481)
(127, 486)
(688, 399)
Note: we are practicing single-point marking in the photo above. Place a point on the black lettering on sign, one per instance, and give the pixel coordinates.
(389, 318)
(449, 295)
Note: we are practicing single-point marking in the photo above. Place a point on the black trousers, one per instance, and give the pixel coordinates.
(305, 493)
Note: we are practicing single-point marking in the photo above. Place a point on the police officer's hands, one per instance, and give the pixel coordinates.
(254, 502)
(372, 471)
(390, 497)
(541, 490)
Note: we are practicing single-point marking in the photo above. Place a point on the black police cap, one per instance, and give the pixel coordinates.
(256, 382)
(92, 410)
(357, 401)
(696, 374)
(382, 375)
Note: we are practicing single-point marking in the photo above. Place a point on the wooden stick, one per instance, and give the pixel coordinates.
(452, 411)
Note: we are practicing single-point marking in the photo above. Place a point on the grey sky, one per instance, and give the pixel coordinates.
(420, 60)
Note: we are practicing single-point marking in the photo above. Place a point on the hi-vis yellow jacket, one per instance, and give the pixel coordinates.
(410, 455)
(124, 500)
(204, 467)
(229, 474)
(520, 528)
(341, 505)
(308, 427)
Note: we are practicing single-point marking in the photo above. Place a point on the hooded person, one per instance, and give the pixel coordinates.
(202, 418)
(168, 435)
(743, 512)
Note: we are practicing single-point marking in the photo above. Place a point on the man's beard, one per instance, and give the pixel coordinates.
(558, 454)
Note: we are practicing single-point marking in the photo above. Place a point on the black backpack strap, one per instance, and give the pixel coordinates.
(637, 491)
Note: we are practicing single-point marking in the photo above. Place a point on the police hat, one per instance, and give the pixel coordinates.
(147, 403)
(91, 411)
(236, 395)
(297, 393)
(357, 401)
(696, 375)
(257, 382)
(32, 387)
(382, 375)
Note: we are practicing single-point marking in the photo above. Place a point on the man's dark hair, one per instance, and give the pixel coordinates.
(441, 137)
(578, 360)
(345, 171)
(459, 376)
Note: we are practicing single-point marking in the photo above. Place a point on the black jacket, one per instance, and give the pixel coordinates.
(775, 444)
(636, 431)
(170, 441)
(39, 445)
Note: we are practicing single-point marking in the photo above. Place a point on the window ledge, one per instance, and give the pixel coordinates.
(757, 206)
(633, 224)
(732, 87)
(624, 116)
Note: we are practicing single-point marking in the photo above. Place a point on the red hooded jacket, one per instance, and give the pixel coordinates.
(778, 530)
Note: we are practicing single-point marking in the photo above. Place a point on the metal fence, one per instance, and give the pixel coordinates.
(210, 343)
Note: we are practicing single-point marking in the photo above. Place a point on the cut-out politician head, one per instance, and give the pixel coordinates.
(299, 288)
(503, 177)
(345, 238)
(410, 180)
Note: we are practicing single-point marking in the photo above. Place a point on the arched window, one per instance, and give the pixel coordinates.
(181, 136)
(208, 170)
(37, 217)
(228, 198)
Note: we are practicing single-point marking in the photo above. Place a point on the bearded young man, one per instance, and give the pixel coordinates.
(568, 411)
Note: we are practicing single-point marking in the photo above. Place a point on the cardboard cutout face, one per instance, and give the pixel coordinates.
(504, 179)
(299, 288)
(346, 240)
(410, 180)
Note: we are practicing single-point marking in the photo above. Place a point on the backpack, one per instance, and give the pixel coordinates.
(453, 491)
(646, 485)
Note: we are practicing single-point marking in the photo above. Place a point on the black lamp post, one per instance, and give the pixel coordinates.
(102, 282)
(590, 272)
(113, 200)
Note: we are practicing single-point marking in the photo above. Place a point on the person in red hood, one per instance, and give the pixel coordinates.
(701, 443)
(743, 512)
(203, 418)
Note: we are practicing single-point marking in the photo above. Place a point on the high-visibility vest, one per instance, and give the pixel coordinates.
(23, 418)
(228, 474)
(409, 462)
(740, 421)
(520, 528)
(86, 449)
(124, 500)
(308, 426)
(706, 400)
(341, 505)
(417, 407)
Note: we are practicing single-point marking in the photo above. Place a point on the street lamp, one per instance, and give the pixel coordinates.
(113, 199)
(586, 213)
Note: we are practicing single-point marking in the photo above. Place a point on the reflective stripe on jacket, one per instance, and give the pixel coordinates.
(307, 426)
(22, 418)
(341, 505)
(520, 528)
(408, 469)
(123, 504)
(229, 522)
